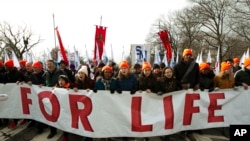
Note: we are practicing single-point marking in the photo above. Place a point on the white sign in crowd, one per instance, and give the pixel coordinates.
(103, 114)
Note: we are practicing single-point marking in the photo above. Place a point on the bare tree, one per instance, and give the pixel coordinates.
(213, 16)
(19, 39)
(240, 17)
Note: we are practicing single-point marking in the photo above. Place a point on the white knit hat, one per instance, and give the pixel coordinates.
(84, 70)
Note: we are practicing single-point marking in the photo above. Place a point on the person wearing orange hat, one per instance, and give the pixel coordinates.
(242, 77)
(236, 64)
(106, 82)
(37, 76)
(187, 74)
(12, 75)
(126, 81)
(225, 79)
(206, 77)
(147, 81)
(186, 71)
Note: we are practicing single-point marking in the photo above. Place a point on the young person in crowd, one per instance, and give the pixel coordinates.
(225, 79)
(106, 82)
(126, 81)
(64, 82)
(206, 77)
(236, 65)
(12, 75)
(167, 83)
(147, 81)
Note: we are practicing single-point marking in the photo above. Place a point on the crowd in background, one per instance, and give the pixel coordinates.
(156, 79)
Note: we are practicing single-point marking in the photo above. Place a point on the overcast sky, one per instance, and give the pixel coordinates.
(128, 21)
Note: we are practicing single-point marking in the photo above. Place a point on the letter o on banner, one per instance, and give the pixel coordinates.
(55, 105)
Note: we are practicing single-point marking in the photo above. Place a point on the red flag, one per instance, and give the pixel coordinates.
(166, 43)
(100, 36)
(61, 46)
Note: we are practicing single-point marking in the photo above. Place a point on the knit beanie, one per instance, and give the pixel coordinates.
(107, 68)
(225, 66)
(9, 63)
(146, 65)
(236, 60)
(246, 62)
(37, 64)
(124, 64)
(187, 52)
(204, 66)
(22, 62)
(83, 69)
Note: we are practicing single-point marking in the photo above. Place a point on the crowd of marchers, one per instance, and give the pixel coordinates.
(158, 79)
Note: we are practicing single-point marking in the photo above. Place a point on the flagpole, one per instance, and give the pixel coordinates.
(101, 21)
(54, 27)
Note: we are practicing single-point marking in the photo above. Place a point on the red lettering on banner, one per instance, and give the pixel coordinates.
(55, 105)
(25, 100)
(189, 108)
(168, 112)
(81, 114)
(214, 106)
(136, 116)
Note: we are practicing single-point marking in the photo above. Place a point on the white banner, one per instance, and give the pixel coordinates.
(103, 114)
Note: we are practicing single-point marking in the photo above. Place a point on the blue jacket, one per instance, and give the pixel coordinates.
(127, 83)
(100, 84)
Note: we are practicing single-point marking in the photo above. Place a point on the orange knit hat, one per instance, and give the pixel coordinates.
(246, 62)
(124, 64)
(204, 66)
(146, 65)
(225, 66)
(22, 62)
(107, 68)
(187, 52)
(9, 63)
(236, 60)
(37, 64)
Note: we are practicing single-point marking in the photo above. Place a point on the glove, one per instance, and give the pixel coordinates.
(211, 89)
(112, 91)
(159, 93)
(216, 89)
(119, 91)
(132, 92)
(94, 90)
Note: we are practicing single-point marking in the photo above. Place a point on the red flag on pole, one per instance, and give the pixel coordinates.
(100, 36)
(166, 43)
(61, 46)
